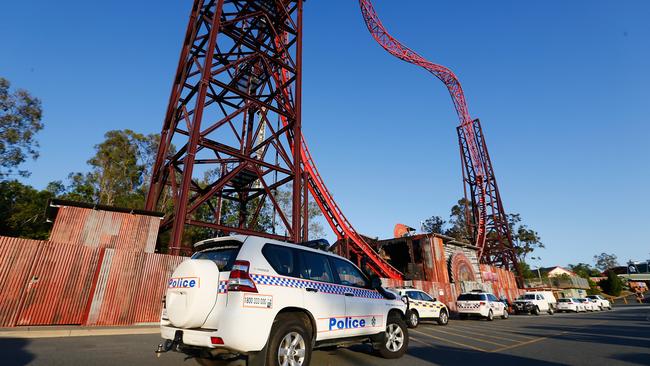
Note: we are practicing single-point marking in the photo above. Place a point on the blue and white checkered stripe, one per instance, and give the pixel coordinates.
(320, 286)
(223, 287)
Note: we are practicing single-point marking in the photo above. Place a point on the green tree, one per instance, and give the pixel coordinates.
(283, 197)
(434, 224)
(526, 272)
(524, 239)
(612, 285)
(20, 120)
(584, 270)
(605, 261)
(22, 210)
(120, 171)
(459, 229)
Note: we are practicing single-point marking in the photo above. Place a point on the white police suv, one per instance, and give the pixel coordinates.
(423, 307)
(482, 304)
(270, 302)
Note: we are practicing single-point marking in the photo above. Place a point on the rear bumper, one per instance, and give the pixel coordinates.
(567, 308)
(192, 337)
(473, 311)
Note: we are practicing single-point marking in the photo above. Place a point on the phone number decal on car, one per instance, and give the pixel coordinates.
(258, 301)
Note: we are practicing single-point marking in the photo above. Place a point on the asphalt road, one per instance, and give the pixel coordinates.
(618, 337)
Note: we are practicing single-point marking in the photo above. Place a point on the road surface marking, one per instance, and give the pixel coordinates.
(468, 337)
(445, 340)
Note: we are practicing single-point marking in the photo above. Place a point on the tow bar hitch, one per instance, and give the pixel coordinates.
(168, 345)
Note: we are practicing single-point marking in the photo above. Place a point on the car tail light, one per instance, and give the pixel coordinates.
(240, 279)
(216, 340)
(481, 303)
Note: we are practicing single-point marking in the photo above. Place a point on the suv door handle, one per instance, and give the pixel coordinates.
(349, 294)
(311, 289)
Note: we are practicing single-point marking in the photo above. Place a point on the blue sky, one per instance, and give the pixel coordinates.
(560, 87)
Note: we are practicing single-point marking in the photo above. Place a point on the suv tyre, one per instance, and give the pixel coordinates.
(550, 311)
(413, 319)
(290, 341)
(490, 316)
(395, 341)
(535, 310)
(505, 314)
(443, 318)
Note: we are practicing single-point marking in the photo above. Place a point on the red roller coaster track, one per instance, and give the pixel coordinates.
(489, 228)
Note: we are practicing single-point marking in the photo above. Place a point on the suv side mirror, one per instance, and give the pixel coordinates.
(434, 299)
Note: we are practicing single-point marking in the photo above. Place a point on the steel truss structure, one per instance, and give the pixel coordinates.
(231, 138)
(222, 143)
(490, 226)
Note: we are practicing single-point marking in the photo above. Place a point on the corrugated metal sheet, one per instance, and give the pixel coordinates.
(130, 287)
(105, 229)
(156, 271)
(502, 281)
(100, 286)
(17, 257)
(60, 285)
(120, 292)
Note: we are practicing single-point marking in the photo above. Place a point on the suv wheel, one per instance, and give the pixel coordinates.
(395, 340)
(289, 342)
(550, 311)
(535, 310)
(413, 319)
(490, 316)
(505, 314)
(443, 318)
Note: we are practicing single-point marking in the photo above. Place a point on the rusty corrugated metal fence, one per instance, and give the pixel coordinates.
(105, 229)
(48, 283)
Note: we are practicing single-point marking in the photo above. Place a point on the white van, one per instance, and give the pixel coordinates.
(273, 302)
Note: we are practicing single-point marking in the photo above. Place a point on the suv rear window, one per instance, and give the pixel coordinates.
(471, 297)
(224, 256)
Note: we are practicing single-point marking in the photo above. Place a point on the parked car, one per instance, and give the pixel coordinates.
(569, 305)
(423, 307)
(534, 303)
(603, 303)
(480, 304)
(271, 301)
(589, 305)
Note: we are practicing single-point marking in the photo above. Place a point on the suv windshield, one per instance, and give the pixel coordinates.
(471, 297)
(224, 256)
(527, 297)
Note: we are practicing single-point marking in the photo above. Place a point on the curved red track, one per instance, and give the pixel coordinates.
(397, 49)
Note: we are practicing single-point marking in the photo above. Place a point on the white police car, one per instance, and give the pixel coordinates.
(272, 302)
(481, 304)
(602, 302)
(423, 307)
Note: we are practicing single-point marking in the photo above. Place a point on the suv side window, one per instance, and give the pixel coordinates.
(280, 258)
(539, 297)
(425, 296)
(314, 266)
(492, 297)
(414, 295)
(348, 274)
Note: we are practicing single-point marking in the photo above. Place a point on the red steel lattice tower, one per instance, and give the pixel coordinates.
(232, 121)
